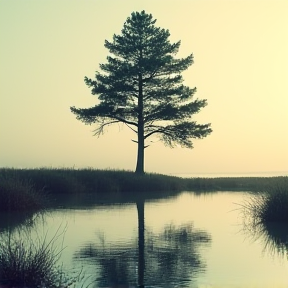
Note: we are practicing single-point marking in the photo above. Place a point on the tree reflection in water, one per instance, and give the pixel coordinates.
(167, 259)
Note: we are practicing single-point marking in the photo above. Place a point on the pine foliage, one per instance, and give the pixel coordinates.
(141, 86)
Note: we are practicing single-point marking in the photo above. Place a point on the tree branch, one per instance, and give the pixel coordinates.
(131, 128)
(120, 119)
(100, 130)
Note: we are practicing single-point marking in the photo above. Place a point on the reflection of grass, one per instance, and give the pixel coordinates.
(275, 237)
(26, 262)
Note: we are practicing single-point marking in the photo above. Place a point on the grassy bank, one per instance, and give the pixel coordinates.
(19, 194)
(93, 181)
(57, 180)
(25, 189)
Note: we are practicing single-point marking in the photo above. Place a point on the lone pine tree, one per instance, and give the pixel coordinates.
(141, 86)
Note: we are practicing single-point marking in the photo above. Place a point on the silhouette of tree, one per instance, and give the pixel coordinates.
(141, 86)
(167, 259)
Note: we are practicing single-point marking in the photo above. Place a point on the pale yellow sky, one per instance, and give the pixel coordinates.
(241, 68)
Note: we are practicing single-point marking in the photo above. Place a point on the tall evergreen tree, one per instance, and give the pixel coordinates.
(141, 86)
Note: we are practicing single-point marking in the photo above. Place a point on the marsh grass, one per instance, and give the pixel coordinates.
(275, 238)
(26, 189)
(266, 219)
(29, 262)
(19, 195)
(26, 262)
(70, 180)
(268, 206)
(73, 181)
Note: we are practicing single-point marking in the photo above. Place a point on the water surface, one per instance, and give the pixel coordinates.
(189, 240)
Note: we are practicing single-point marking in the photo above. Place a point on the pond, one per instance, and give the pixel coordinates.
(185, 240)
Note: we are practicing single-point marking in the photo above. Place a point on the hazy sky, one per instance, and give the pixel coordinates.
(241, 67)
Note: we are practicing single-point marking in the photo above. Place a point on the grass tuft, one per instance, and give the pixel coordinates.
(26, 262)
(268, 206)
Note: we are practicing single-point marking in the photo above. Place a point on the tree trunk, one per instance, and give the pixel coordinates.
(140, 154)
(141, 243)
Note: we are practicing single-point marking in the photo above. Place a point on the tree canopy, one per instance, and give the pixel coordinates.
(141, 86)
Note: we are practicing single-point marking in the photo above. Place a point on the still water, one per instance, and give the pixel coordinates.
(185, 240)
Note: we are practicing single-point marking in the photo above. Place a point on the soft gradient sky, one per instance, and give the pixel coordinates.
(241, 67)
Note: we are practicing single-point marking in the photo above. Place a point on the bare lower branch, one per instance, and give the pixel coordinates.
(131, 128)
(100, 130)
